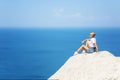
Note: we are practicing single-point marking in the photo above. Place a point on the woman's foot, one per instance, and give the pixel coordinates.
(75, 53)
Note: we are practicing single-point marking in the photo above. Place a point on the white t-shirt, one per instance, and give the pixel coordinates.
(91, 42)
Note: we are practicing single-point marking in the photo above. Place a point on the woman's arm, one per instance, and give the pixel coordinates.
(87, 43)
(96, 46)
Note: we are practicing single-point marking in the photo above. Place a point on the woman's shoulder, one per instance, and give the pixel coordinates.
(93, 38)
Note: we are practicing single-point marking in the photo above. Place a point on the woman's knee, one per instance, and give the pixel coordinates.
(83, 46)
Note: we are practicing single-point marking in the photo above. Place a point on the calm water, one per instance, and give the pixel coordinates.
(38, 53)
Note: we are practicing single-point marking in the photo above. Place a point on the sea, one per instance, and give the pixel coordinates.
(37, 53)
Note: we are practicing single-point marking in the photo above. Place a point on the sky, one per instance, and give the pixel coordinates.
(59, 13)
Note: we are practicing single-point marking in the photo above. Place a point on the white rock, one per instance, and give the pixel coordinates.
(94, 66)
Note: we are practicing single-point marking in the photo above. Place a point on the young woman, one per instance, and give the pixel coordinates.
(91, 45)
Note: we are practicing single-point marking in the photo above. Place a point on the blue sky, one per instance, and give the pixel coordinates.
(59, 13)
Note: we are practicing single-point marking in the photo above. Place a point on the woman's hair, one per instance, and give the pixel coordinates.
(93, 34)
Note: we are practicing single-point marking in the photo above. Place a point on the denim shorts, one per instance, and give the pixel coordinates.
(91, 49)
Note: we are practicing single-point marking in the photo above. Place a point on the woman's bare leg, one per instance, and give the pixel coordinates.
(82, 48)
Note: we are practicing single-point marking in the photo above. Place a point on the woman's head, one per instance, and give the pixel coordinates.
(92, 34)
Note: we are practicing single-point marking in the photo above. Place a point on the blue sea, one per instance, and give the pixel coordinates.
(37, 53)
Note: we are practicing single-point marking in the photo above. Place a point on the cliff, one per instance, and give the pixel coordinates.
(94, 66)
